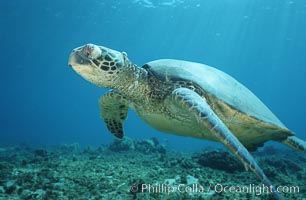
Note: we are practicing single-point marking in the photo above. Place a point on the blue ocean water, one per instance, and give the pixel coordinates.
(43, 101)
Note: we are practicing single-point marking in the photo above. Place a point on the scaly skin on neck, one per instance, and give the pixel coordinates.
(131, 81)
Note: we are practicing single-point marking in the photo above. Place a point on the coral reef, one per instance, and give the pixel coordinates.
(145, 146)
(219, 160)
(133, 169)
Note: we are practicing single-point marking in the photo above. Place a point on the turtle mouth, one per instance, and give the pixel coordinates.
(77, 57)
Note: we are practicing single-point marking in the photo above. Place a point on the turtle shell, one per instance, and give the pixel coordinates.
(216, 83)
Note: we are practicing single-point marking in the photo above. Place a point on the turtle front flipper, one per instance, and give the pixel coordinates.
(190, 101)
(114, 109)
(295, 143)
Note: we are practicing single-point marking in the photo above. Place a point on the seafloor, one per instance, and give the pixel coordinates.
(132, 169)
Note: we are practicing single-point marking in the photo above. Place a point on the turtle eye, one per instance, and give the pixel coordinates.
(91, 51)
(88, 49)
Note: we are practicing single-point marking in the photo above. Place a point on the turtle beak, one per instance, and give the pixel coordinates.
(71, 59)
(77, 58)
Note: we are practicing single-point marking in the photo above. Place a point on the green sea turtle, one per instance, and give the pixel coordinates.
(183, 98)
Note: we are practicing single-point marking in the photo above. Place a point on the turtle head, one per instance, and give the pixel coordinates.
(97, 64)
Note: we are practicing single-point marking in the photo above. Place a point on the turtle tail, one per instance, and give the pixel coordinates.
(295, 143)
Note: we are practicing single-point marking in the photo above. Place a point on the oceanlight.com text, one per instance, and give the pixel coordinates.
(215, 188)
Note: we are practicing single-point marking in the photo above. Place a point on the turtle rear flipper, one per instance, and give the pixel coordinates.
(114, 109)
(190, 101)
(295, 143)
